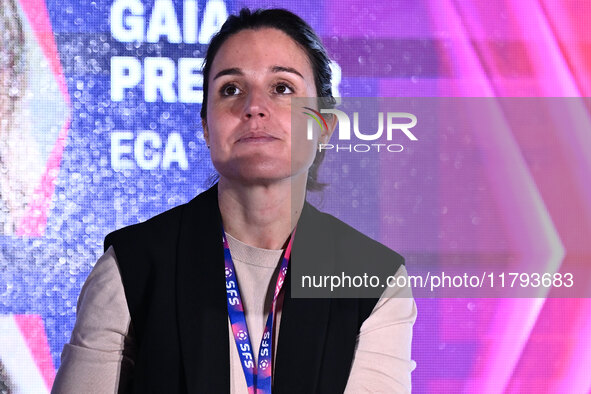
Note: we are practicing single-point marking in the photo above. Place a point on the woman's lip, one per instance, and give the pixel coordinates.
(262, 138)
(256, 137)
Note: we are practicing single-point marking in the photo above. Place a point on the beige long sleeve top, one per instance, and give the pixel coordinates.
(99, 356)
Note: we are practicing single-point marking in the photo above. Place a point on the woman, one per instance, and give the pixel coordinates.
(160, 312)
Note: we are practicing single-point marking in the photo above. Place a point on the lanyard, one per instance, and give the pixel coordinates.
(258, 379)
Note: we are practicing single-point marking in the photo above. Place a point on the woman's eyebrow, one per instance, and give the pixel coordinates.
(274, 69)
(229, 71)
(277, 69)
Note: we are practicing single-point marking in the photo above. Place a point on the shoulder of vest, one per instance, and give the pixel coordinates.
(161, 230)
(158, 229)
(355, 249)
(349, 241)
(328, 246)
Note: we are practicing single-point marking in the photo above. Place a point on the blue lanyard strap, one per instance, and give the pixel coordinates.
(258, 378)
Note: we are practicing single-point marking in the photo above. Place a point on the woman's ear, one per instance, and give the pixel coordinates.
(331, 121)
(205, 131)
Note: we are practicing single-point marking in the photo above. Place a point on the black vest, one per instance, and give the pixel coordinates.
(172, 267)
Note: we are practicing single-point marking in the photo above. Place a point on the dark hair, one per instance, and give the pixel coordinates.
(302, 34)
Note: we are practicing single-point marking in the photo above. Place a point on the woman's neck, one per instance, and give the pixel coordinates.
(261, 215)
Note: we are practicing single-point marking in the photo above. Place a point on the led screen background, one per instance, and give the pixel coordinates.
(94, 150)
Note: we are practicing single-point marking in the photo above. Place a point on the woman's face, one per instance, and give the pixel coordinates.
(253, 77)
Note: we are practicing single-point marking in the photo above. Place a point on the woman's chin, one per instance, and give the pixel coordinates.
(260, 177)
(256, 175)
(262, 170)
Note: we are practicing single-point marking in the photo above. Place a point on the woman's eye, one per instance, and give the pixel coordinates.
(283, 89)
(230, 90)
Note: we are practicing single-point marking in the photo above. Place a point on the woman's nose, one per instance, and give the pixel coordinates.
(256, 104)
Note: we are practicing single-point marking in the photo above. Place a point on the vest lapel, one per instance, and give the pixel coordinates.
(304, 321)
(201, 297)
